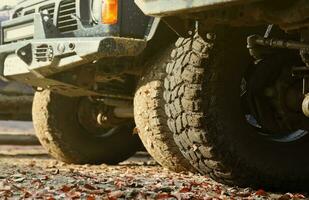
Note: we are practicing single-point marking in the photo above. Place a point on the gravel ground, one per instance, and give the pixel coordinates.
(29, 173)
(37, 176)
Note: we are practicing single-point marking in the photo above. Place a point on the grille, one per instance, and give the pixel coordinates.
(41, 53)
(50, 9)
(66, 23)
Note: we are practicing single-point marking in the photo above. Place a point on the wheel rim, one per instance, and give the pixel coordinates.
(267, 102)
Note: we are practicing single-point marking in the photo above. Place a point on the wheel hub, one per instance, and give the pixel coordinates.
(97, 117)
(273, 98)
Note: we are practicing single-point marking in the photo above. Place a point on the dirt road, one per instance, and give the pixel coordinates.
(29, 173)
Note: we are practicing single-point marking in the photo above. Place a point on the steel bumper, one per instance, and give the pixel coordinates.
(161, 8)
(49, 56)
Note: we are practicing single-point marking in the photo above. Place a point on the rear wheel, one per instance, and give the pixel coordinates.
(151, 119)
(68, 129)
(212, 109)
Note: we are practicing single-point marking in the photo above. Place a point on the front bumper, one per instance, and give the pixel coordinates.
(32, 61)
(161, 8)
(49, 56)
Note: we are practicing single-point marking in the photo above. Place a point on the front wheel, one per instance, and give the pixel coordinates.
(235, 123)
(67, 128)
(150, 117)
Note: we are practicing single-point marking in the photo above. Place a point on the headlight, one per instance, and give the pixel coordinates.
(24, 31)
(105, 11)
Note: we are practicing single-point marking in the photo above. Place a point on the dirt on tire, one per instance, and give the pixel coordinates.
(151, 119)
(59, 131)
(204, 110)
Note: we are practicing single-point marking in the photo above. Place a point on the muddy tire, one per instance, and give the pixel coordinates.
(205, 115)
(59, 131)
(151, 120)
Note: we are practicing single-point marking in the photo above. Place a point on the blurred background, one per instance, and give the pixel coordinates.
(15, 103)
(4, 6)
(7, 2)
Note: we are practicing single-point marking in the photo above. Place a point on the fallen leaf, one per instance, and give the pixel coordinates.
(73, 194)
(165, 196)
(115, 195)
(194, 147)
(32, 164)
(261, 192)
(89, 187)
(243, 194)
(135, 131)
(45, 178)
(285, 197)
(119, 184)
(185, 190)
(147, 92)
(299, 196)
(165, 189)
(37, 183)
(196, 184)
(66, 188)
(90, 197)
(56, 171)
(27, 194)
(19, 180)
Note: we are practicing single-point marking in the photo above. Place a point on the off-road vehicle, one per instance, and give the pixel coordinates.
(239, 118)
(87, 59)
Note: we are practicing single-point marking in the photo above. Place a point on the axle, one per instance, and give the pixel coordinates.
(124, 112)
(256, 40)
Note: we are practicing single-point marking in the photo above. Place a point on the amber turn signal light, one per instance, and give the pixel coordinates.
(110, 11)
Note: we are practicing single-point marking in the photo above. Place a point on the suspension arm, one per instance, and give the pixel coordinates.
(257, 40)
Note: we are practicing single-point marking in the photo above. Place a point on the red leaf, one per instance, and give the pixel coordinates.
(74, 195)
(195, 184)
(261, 192)
(165, 196)
(65, 189)
(135, 131)
(185, 190)
(119, 184)
(27, 194)
(91, 197)
(89, 187)
(299, 196)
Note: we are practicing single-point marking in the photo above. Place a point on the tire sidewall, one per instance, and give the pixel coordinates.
(57, 126)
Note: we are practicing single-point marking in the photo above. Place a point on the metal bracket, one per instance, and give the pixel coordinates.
(25, 53)
(44, 27)
(180, 26)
